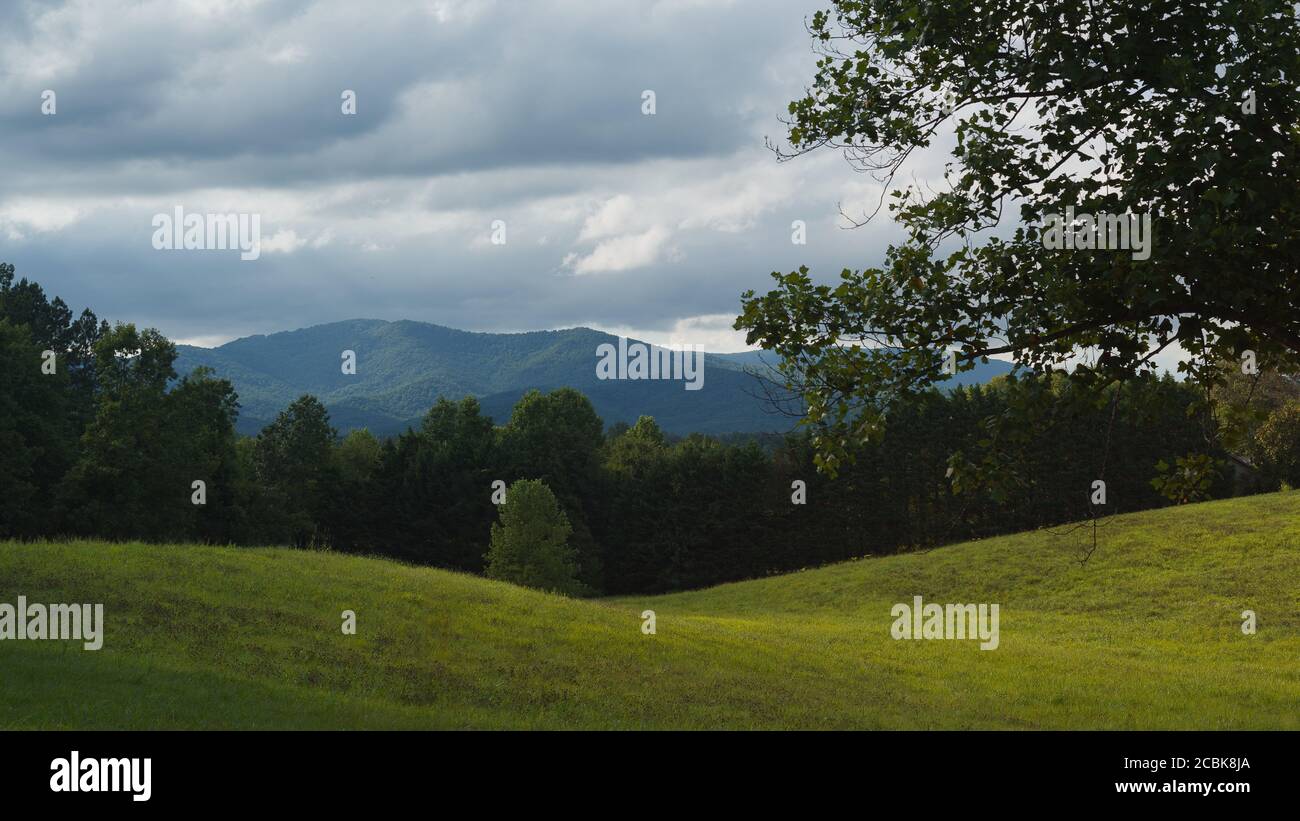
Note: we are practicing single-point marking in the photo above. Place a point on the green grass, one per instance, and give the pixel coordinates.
(1146, 635)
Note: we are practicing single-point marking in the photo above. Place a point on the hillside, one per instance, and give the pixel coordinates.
(1147, 635)
(403, 367)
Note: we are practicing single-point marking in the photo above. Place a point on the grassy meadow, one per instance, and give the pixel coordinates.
(1146, 634)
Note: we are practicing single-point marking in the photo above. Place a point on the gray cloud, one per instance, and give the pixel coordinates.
(468, 112)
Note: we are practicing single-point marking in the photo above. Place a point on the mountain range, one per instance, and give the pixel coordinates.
(403, 367)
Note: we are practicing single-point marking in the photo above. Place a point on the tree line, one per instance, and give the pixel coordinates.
(104, 439)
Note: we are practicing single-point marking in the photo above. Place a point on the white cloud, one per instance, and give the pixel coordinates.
(40, 216)
(284, 242)
(621, 253)
(713, 332)
(214, 341)
(455, 130)
(289, 54)
(615, 216)
(218, 8)
(457, 11)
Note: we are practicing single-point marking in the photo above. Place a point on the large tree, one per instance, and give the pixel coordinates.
(530, 545)
(51, 326)
(557, 437)
(432, 489)
(294, 462)
(37, 441)
(146, 445)
(1185, 111)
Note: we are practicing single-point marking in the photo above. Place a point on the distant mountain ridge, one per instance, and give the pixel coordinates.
(404, 366)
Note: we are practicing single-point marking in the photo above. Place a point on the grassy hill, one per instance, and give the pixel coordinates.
(1146, 635)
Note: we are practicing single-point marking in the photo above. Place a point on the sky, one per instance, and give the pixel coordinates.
(488, 165)
(468, 113)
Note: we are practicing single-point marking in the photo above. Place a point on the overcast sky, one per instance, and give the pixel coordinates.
(468, 111)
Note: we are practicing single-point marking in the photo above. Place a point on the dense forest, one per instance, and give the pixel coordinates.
(99, 436)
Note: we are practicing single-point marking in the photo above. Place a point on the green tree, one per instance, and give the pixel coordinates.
(1277, 445)
(358, 456)
(557, 437)
(123, 484)
(147, 445)
(199, 433)
(1242, 402)
(352, 513)
(640, 501)
(37, 441)
(294, 459)
(430, 498)
(462, 455)
(1184, 110)
(530, 544)
(51, 327)
(630, 449)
